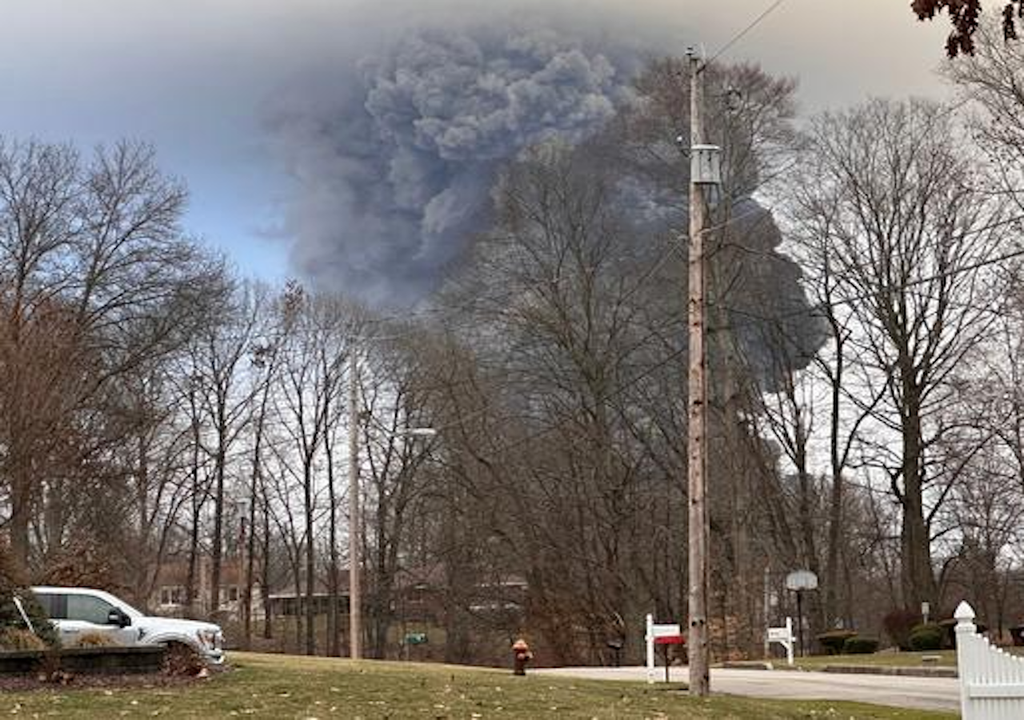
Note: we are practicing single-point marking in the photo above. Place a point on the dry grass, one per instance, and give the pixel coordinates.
(276, 686)
(12, 639)
(96, 639)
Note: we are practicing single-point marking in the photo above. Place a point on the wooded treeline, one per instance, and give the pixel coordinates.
(864, 334)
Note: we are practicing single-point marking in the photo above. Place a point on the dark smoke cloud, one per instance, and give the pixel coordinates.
(394, 154)
(775, 326)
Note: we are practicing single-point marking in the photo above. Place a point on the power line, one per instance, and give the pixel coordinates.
(814, 311)
(742, 33)
(952, 272)
(678, 353)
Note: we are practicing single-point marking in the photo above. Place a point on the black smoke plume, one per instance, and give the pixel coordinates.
(394, 156)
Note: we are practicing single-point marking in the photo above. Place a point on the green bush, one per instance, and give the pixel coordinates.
(834, 640)
(11, 585)
(858, 645)
(926, 637)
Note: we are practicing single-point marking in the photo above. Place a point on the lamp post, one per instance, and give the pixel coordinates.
(355, 590)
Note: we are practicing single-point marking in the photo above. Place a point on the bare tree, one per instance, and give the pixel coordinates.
(990, 85)
(850, 399)
(396, 401)
(311, 376)
(909, 231)
(264, 357)
(98, 244)
(560, 311)
(157, 469)
(222, 367)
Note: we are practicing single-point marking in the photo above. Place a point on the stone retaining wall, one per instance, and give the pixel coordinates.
(90, 660)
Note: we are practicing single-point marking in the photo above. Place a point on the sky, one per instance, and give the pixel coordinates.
(198, 78)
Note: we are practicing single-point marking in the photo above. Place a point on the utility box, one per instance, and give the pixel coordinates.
(706, 164)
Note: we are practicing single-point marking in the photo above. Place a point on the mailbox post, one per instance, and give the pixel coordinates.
(663, 635)
(783, 636)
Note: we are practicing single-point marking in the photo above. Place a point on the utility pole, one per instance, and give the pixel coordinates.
(704, 173)
(355, 531)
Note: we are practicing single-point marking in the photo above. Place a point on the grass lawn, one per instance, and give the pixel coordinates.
(888, 659)
(947, 658)
(278, 686)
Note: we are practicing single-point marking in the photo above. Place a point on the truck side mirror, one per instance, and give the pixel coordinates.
(116, 617)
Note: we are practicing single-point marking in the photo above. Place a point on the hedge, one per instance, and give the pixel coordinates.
(834, 640)
(926, 637)
(858, 645)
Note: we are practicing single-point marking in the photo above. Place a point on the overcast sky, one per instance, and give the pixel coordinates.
(194, 76)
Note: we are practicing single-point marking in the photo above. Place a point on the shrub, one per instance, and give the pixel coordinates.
(182, 660)
(96, 639)
(926, 637)
(833, 641)
(11, 585)
(898, 624)
(858, 645)
(13, 639)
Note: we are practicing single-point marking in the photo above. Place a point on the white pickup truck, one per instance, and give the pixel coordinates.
(79, 611)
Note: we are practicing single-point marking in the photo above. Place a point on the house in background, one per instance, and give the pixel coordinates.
(287, 601)
(170, 594)
(422, 601)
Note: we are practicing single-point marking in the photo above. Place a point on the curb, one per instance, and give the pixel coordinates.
(941, 672)
(747, 665)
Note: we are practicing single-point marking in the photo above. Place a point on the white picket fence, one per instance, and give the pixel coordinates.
(991, 681)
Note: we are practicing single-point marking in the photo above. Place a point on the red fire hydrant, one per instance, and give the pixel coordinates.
(521, 653)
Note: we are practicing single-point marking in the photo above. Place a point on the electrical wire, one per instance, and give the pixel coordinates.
(742, 33)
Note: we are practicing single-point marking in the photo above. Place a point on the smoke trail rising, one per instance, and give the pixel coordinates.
(394, 155)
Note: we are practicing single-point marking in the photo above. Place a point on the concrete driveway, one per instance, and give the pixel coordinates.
(910, 692)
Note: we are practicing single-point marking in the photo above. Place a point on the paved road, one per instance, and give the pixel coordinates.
(911, 692)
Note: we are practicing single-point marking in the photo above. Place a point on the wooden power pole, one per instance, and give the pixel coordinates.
(355, 533)
(704, 174)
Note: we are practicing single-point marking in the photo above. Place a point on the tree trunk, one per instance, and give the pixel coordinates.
(807, 531)
(333, 617)
(268, 624)
(21, 515)
(250, 569)
(917, 578)
(835, 507)
(296, 562)
(218, 510)
(193, 558)
(255, 483)
(307, 477)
